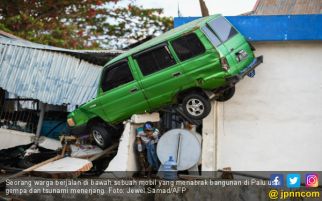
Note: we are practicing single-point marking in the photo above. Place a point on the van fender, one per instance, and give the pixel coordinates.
(206, 93)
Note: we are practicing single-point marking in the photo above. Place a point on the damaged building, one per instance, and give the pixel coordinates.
(273, 121)
(39, 84)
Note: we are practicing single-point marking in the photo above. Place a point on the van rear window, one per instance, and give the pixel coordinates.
(211, 36)
(188, 46)
(223, 28)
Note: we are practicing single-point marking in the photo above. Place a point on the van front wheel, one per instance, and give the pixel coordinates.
(101, 136)
(195, 106)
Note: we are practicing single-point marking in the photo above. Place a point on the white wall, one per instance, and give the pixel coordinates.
(274, 121)
(11, 138)
(126, 158)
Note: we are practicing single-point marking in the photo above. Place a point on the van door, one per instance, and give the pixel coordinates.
(232, 42)
(121, 94)
(161, 76)
(238, 50)
(198, 59)
(224, 31)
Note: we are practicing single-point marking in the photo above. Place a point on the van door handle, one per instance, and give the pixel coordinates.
(176, 74)
(92, 106)
(134, 90)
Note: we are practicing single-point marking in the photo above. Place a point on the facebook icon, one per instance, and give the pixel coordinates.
(277, 180)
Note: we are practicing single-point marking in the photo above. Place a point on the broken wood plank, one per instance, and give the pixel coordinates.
(31, 168)
(67, 167)
(71, 167)
(103, 153)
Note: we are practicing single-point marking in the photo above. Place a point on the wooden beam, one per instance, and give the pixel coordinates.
(103, 153)
(204, 9)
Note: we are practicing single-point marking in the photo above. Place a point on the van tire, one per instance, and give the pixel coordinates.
(196, 106)
(101, 136)
(226, 94)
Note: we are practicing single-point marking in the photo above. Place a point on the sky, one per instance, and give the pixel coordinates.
(192, 8)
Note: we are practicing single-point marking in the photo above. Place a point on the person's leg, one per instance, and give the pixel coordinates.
(150, 158)
(148, 152)
(152, 155)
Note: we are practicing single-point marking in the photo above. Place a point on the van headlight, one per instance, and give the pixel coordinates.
(71, 122)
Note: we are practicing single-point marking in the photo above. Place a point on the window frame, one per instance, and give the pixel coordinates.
(213, 32)
(164, 44)
(112, 66)
(183, 35)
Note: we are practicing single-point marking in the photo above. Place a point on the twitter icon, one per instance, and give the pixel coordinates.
(293, 180)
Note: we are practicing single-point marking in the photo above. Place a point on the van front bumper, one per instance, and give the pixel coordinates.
(79, 130)
(236, 78)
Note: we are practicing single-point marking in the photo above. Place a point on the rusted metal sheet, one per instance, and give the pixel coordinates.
(292, 7)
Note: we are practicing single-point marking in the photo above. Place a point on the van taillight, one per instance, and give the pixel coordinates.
(224, 63)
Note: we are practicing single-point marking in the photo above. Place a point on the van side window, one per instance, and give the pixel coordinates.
(222, 28)
(154, 60)
(116, 75)
(188, 46)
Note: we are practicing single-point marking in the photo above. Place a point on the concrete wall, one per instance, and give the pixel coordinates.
(126, 158)
(274, 121)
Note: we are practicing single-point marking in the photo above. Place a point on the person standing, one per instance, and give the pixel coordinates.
(147, 138)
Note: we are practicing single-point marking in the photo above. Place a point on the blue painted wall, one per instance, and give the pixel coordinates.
(273, 28)
(53, 128)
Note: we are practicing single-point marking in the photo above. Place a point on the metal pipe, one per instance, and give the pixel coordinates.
(42, 107)
(179, 149)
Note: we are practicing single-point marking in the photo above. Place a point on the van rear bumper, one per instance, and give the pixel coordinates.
(236, 78)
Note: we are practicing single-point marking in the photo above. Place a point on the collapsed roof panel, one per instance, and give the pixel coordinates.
(98, 57)
(49, 76)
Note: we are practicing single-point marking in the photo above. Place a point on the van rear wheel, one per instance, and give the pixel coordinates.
(196, 106)
(226, 94)
(101, 136)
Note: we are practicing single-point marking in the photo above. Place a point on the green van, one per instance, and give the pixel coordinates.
(188, 66)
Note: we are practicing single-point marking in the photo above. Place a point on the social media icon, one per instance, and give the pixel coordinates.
(293, 180)
(311, 180)
(277, 180)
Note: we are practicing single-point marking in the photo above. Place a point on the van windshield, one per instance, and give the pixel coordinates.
(222, 28)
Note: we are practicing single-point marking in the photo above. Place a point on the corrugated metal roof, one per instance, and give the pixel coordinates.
(99, 57)
(8, 35)
(46, 73)
(291, 7)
